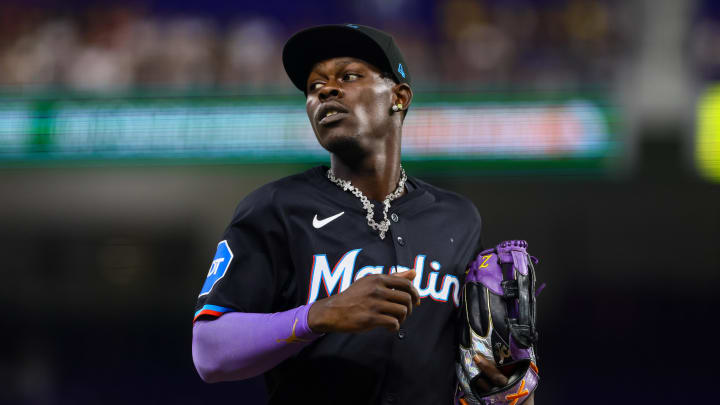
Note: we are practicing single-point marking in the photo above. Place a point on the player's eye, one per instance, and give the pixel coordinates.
(349, 77)
(314, 86)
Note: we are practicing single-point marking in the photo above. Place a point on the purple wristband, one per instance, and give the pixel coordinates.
(241, 345)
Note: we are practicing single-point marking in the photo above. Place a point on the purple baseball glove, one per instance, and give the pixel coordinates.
(498, 309)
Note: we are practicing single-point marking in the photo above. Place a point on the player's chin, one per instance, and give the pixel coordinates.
(338, 133)
(344, 144)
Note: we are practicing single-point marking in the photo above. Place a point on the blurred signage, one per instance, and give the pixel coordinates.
(707, 145)
(575, 128)
(438, 129)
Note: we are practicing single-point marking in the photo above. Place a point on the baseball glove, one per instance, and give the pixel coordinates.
(498, 323)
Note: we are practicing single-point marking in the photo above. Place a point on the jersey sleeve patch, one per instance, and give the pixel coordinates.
(218, 267)
(212, 310)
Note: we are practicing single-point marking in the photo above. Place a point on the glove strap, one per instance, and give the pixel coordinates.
(519, 293)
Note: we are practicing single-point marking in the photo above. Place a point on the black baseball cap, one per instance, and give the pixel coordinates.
(309, 46)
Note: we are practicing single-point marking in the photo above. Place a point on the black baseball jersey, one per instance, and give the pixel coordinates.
(302, 238)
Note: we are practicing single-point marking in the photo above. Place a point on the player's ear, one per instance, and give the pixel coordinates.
(402, 94)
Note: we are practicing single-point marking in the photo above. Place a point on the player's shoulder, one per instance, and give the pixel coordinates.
(274, 195)
(450, 199)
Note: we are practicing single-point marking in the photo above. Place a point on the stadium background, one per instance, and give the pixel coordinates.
(129, 131)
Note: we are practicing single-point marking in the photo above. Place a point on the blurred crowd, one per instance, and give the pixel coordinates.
(704, 41)
(533, 43)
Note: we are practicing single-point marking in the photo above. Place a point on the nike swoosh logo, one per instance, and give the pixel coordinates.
(318, 223)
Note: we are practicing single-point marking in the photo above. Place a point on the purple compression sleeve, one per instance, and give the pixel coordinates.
(241, 345)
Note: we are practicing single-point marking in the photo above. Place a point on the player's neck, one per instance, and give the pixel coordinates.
(376, 175)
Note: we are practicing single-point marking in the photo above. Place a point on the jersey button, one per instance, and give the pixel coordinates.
(394, 217)
(401, 241)
(401, 334)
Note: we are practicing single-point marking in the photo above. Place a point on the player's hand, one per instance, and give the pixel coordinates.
(491, 377)
(377, 300)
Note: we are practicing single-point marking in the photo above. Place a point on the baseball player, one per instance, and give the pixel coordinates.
(341, 284)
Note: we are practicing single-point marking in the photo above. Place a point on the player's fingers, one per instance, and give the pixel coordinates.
(490, 371)
(397, 311)
(481, 383)
(399, 297)
(402, 281)
(386, 321)
(410, 274)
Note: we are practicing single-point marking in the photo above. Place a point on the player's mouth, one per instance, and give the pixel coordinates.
(329, 113)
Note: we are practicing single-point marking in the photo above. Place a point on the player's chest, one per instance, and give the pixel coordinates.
(332, 249)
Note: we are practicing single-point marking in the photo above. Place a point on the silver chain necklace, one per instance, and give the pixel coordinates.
(384, 225)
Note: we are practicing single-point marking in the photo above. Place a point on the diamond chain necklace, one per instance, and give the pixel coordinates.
(384, 225)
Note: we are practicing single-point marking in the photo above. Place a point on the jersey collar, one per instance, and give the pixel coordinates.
(416, 198)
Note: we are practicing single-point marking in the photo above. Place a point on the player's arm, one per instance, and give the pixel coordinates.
(235, 336)
(236, 332)
(241, 345)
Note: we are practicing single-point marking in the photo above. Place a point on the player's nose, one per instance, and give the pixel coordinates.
(329, 91)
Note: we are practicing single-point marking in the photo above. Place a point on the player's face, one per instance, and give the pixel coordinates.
(348, 103)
